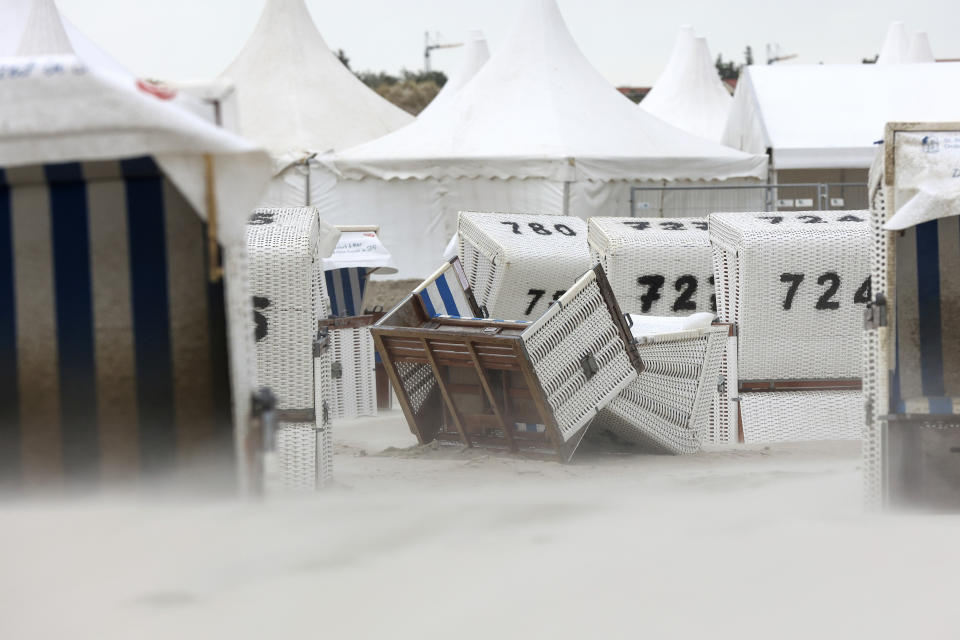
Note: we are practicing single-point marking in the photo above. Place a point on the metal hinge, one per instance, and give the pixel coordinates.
(875, 315)
(336, 371)
(590, 365)
(321, 343)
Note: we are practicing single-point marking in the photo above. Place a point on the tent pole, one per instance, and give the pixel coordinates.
(307, 181)
(213, 246)
(566, 198)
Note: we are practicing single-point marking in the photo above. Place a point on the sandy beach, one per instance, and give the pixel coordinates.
(741, 542)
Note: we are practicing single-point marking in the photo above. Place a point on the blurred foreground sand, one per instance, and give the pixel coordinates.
(741, 542)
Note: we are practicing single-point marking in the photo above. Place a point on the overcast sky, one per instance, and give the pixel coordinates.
(627, 40)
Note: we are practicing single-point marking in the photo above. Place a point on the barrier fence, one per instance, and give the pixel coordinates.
(686, 201)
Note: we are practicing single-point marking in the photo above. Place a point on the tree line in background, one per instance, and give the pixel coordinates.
(412, 91)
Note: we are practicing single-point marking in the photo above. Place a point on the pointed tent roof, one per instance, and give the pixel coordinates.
(895, 45)
(294, 95)
(919, 49)
(50, 31)
(475, 55)
(539, 109)
(689, 93)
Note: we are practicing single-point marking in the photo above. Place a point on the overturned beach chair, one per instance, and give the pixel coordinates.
(532, 387)
(358, 254)
(664, 267)
(518, 264)
(794, 284)
(667, 408)
(293, 354)
(912, 346)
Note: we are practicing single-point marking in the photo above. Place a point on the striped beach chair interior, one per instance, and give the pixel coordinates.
(346, 287)
(446, 293)
(926, 374)
(113, 344)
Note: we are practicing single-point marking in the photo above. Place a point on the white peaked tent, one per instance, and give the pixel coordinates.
(689, 93)
(830, 116)
(919, 49)
(49, 31)
(475, 55)
(895, 45)
(296, 98)
(538, 129)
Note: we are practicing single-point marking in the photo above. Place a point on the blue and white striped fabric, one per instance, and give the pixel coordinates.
(442, 294)
(346, 288)
(113, 344)
(529, 427)
(926, 374)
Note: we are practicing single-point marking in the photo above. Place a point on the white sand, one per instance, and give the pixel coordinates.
(737, 543)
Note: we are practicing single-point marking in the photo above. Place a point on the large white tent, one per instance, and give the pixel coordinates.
(297, 99)
(830, 116)
(919, 49)
(895, 45)
(538, 129)
(689, 93)
(475, 55)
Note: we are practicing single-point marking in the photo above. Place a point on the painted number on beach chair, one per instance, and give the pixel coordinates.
(643, 225)
(686, 287)
(536, 295)
(830, 281)
(539, 229)
(259, 320)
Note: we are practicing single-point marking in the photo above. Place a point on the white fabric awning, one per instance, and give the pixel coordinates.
(57, 109)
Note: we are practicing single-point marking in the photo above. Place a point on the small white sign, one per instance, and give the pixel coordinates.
(804, 202)
(784, 203)
(643, 205)
(836, 202)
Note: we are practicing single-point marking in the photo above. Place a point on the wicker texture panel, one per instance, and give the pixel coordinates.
(875, 358)
(286, 281)
(354, 394)
(722, 427)
(558, 341)
(243, 351)
(667, 408)
(795, 284)
(656, 266)
(518, 264)
(793, 416)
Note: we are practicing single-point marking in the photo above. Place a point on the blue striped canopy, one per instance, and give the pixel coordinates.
(445, 293)
(346, 287)
(113, 343)
(926, 368)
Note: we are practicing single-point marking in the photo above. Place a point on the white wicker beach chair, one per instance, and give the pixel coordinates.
(521, 386)
(518, 264)
(656, 266)
(911, 351)
(293, 358)
(664, 267)
(795, 285)
(666, 410)
(358, 254)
